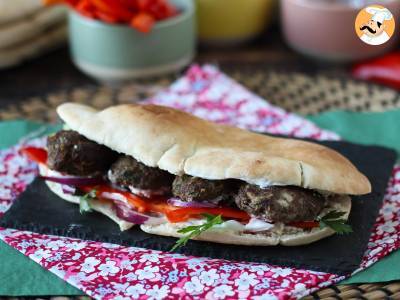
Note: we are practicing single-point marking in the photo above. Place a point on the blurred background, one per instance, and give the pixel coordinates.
(290, 52)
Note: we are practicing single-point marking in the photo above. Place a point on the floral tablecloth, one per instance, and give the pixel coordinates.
(109, 271)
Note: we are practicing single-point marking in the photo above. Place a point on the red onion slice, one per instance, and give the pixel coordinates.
(75, 181)
(128, 214)
(67, 189)
(194, 204)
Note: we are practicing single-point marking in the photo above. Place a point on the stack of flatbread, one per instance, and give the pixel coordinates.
(28, 29)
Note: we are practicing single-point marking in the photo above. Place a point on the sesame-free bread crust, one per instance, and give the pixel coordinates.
(181, 143)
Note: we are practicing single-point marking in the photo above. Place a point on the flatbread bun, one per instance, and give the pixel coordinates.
(14, 10)
(16, 33)
(181, 143)
(280, 234)
(101, 207)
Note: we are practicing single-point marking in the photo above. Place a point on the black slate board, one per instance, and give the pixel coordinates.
(38, 209)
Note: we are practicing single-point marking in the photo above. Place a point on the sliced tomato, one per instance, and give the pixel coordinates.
(183, 214)
(38, 155)
(305, 224)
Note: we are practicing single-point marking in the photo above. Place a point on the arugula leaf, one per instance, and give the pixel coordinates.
(84, 205)
(333, 220)
(196, 230)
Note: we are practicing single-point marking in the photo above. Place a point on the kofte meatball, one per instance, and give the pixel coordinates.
(280, 203)
(128, 172)
(189, 188)
(72, 153)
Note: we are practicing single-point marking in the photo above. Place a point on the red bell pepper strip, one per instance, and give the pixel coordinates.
(131, 5)
(38, 155)
(183, 214)
(139, 14)
(106, 17)
(144, 5)
(174, 214)
(143, 22)
(305, 224)
(114, 9)
(85, 8)
(384, 70)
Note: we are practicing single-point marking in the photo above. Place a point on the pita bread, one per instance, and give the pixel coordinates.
(12, 10)
(184, 144)
(14, 33)
(47, 41)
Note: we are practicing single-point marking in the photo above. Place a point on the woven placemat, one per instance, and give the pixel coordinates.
(294, 91)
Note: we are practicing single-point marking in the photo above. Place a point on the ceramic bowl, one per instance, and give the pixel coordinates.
(231, 22)
(325, 29)
(117, 53)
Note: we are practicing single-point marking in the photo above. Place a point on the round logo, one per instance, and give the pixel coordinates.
(375, 25)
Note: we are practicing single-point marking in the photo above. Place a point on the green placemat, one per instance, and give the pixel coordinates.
(366, 128)
(19, 275)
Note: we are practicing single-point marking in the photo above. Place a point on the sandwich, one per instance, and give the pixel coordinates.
(177, 175)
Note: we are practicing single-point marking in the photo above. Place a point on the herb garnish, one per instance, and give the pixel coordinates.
(333, 220)
(84, 205)
(196, 230)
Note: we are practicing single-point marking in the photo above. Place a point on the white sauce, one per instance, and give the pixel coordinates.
(254, 225)
(263, 183)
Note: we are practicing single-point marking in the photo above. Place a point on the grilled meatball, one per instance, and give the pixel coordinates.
(280, 203)
(128, 172)
(189, 188)
(72, 153)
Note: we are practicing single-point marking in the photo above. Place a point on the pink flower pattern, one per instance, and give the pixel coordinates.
(108, 271)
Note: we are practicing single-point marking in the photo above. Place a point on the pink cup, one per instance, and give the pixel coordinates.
(324, 29)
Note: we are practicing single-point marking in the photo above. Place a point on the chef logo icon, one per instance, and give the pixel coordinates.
(375, 25)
